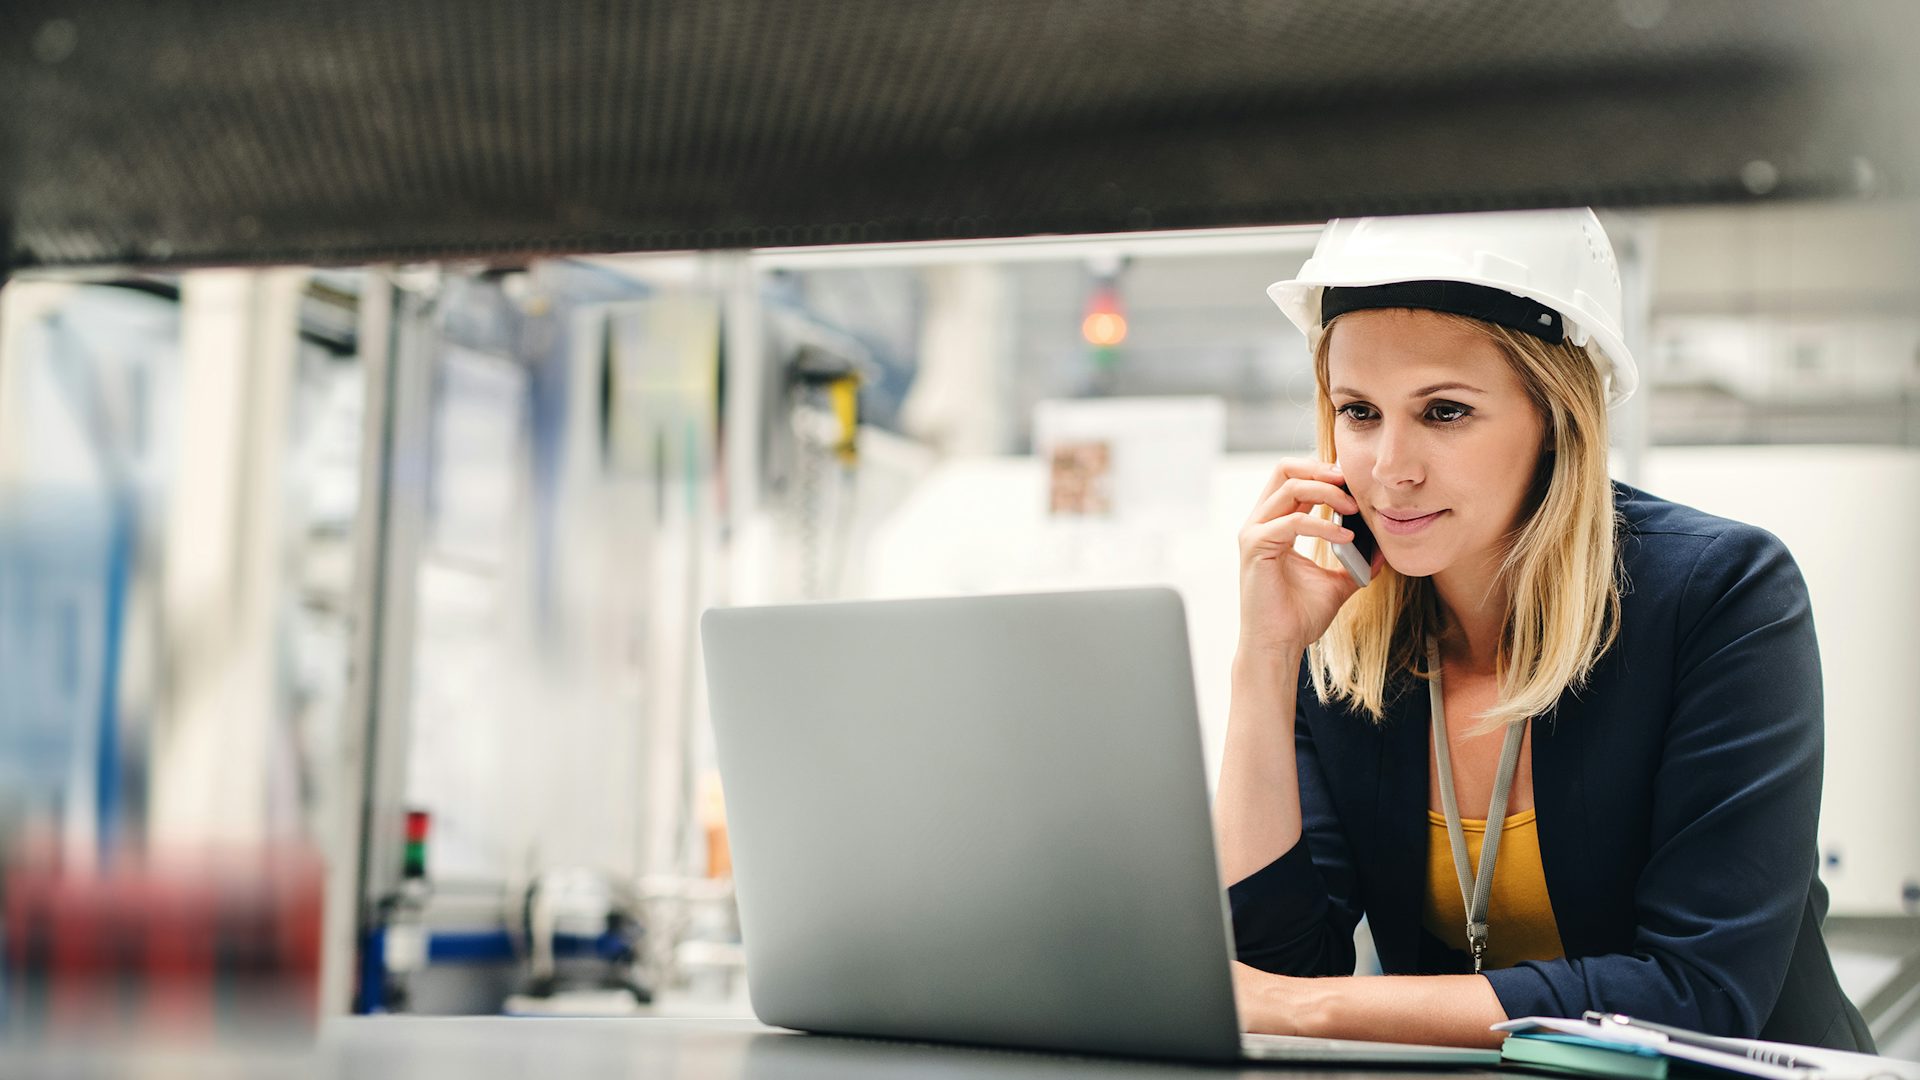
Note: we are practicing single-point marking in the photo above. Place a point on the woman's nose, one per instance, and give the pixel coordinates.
(1396, 456)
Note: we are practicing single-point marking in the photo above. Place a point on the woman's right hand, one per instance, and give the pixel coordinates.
(1286, 599)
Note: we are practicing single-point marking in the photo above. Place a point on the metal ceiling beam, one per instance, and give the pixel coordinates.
(343, 131)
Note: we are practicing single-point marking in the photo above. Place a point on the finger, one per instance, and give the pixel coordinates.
(1292, 467)
(1280, 474)
(1298, 492)
(1277, 540)
(1281, 532)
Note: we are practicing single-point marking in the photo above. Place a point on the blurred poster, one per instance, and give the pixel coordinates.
(663, 373)
(1145, 462)
(1080, 477)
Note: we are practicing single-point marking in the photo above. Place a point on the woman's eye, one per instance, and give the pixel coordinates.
(1444, 412)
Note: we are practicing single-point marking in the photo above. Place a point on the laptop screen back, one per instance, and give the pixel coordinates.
(976, 820)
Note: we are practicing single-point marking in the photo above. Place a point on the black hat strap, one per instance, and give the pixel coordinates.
(1482, 302)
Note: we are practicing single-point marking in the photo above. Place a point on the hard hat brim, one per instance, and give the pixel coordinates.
(1299, 299)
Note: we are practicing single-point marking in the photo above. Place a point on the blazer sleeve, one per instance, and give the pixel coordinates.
(1736, 804)
(1296, 915)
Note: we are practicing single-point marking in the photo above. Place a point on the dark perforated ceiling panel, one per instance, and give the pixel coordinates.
(194, 131)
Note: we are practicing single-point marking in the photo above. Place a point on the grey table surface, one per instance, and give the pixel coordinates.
(497, 1048)
(685, 1049)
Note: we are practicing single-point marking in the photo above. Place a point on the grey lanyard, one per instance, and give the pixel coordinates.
(1473, 890)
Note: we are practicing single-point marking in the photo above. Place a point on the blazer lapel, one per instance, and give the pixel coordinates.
(1562, 820)
(1402, 820)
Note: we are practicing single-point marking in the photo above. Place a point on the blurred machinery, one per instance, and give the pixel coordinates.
(568, 943)
(823, 410)
(225, 947)
(574, 905)
(537, 690)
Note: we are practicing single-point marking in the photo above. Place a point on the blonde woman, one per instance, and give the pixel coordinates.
(1616, 696)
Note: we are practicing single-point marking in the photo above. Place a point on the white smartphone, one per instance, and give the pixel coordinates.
(1356, 555)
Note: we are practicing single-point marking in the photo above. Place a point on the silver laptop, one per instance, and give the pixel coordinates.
(983, 820)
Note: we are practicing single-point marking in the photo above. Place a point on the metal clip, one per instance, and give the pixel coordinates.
(1477, 939)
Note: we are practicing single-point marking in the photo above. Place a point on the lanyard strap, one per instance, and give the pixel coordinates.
(1474, 889)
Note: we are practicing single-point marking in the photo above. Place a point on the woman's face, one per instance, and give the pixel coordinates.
(1437, 436)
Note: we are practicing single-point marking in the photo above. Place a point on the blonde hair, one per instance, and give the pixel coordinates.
(1560, 569)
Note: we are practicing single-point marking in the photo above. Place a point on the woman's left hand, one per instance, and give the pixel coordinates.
(1273, 1004)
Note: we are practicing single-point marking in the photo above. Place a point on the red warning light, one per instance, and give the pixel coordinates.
(1104, 325)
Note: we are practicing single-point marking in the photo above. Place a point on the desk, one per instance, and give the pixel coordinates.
(490, 1048)
(506, 1048)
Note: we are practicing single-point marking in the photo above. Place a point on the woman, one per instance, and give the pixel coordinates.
(1620, 694)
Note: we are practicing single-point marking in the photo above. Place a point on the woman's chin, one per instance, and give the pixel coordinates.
(1413, 567)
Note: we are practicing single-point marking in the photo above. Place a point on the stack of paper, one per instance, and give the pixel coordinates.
(1619, 1047)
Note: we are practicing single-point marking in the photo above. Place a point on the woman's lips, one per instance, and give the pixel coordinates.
(1408, 526)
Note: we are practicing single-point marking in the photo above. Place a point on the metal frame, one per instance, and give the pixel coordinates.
(397, 339)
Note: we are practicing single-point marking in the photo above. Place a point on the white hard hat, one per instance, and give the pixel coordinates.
(1558, 262)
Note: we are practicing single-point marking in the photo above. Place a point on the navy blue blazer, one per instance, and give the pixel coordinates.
(1677, 795)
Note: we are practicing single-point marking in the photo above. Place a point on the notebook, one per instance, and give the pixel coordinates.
(1582, 1056)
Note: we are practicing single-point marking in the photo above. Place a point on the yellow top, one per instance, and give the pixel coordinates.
(1520, 922)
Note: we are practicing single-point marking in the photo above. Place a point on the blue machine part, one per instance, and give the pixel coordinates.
(470, 947)
(65, 560)
(486, 946)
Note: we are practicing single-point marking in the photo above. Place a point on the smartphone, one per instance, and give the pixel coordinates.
(1356, 555)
